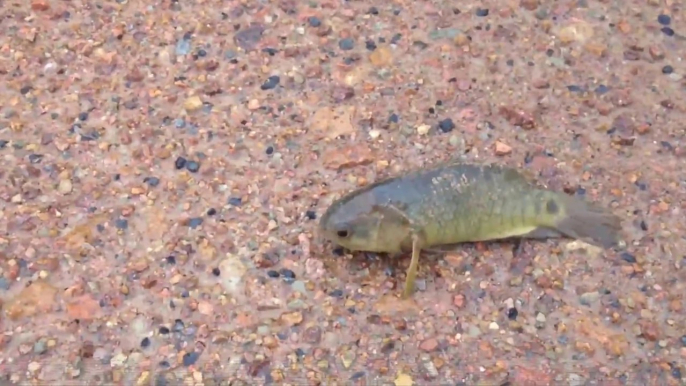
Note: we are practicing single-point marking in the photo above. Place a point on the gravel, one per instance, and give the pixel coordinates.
(165, 164)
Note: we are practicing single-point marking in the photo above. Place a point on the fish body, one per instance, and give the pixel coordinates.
(460, 202)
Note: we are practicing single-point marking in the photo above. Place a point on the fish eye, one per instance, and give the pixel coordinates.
(342, 233)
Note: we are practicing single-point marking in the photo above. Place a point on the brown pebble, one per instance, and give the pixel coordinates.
(529, 5)
(502, 148)
(649, 330)
(429, 345)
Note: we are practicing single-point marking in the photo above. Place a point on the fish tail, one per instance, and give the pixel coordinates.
(582, 220)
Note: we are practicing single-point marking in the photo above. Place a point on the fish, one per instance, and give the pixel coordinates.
(456, 202)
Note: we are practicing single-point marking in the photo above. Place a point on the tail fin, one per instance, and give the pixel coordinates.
(585, 221)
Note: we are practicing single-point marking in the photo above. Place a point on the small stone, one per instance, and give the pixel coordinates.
(493, 326)
(481, 12)
(423, 129)
(381, 57)
(529, 5)
(347, 358)
(502, 149)
(403, 380)
(292, 318)
(190, 358)
(192, 103)
(429, 345)
(192, 166)
(271, 83)
(314, 21)
(180, 163)
(346, 44)
(65, 186)
(446, 125)
(664, 19)
(578, 31)
(589, 297)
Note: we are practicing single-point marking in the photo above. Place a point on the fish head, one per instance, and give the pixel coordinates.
(359, 224)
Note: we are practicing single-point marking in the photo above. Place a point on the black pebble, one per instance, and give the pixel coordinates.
(337, 293)
(171, 259)
(667, 31)
(346, 44)
(216, 271)
(211, 212)
(512, 313)
(180, 163)
(287, 273)
(235, 201)
(393, 118)
(314, 21)
(482, 12)
(152, 181)
(145, 342)
(270, 150)
(190, 358)
(664, 19)
(35, 158)
(310, 214)
(121, 223)
(192, 166)
(373, 11)
(667, 69)
(271, 82)
(644, 226)
(370, 45)
(3, 143)
(25, 90)
(683, 340)
(628, 257)
(273, 274)
(446, 125)
(164, 330)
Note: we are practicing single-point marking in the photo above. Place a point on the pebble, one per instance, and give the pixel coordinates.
(346, 44)
(152, 181)
(193, 103)
(446, 125)
(271, 83)
(183, 45)
(195, 222)
(589, 297)
(65, 186)
(314, 21)
(180, 163)
(493, 326)
(664, 19)
(667, 31)
(192, 166)
(502, 148)
(429, 345)
(190, 358)
(481, 12)
(121, 224)
(423, 129)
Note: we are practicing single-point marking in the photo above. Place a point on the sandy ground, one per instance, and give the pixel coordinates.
(164, 165)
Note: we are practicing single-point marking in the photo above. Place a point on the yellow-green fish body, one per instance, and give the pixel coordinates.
(460, 202)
